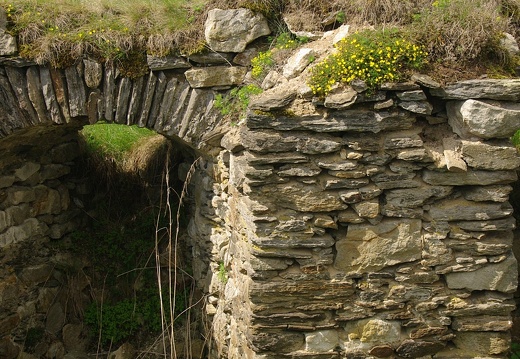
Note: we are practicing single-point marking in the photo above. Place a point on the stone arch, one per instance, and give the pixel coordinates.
(163, 100)
(54, 104)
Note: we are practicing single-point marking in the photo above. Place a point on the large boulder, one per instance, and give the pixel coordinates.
(232, 30)
(484, 119)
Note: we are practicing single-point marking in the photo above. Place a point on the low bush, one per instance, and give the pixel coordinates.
(372, 56)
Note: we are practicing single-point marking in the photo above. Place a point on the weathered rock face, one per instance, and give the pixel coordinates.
(232, 30)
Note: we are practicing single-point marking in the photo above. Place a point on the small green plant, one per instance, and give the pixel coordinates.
(33, 337)
(222, 273)
(266, 60)
(372, 56)
(515, 350)
(516, 139)
(235, 103)
(341, 17)
(286, 40)
(115, 321)
(123, 319)
(262, 63)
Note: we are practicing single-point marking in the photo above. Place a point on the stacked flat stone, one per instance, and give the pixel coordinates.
(378, 233)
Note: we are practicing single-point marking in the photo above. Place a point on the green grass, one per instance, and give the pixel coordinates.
(113, 141)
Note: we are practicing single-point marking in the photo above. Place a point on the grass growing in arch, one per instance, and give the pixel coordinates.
(113, 141)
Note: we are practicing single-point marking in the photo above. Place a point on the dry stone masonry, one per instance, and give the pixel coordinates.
(363, 225)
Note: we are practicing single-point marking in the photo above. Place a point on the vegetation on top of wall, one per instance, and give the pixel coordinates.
(372, 56)
(456, 33)
(62, 30)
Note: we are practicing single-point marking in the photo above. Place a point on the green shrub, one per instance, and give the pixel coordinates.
(115, 321)
(261, 64)
(516, 139)
(222, 273)
(515, 350)
(372, 56)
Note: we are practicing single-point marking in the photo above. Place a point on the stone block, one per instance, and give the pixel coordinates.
(420, 107)
(410, 198)
(34, 275)
(17, 195)
(502, 277)
(490, 157)
(360, 250)
(462, 210)
(93, 73)
(411, 95)
(8, 350)
(494, 193)
(484, 119)
(351, 120)
(304, 198)
(367, 209)
(156, 63)
(34, 91)
(505, 224)
(419, 348)
(49, 94)
(75, 337)
(298, 62)
(17, 214)
(8, 324)
(341, 98)
(475, 178)
(55, 319)
(30, 227)
(482, 343)
(482, 324)
(76, 92)
(494, 89)
(215, 76)
(321, 341)
(54, 171)
(279, 342)
(8, 44)
(7, 181)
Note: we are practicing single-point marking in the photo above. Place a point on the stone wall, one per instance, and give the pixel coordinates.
(364, 225)
(381, 229)
(37, 192)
